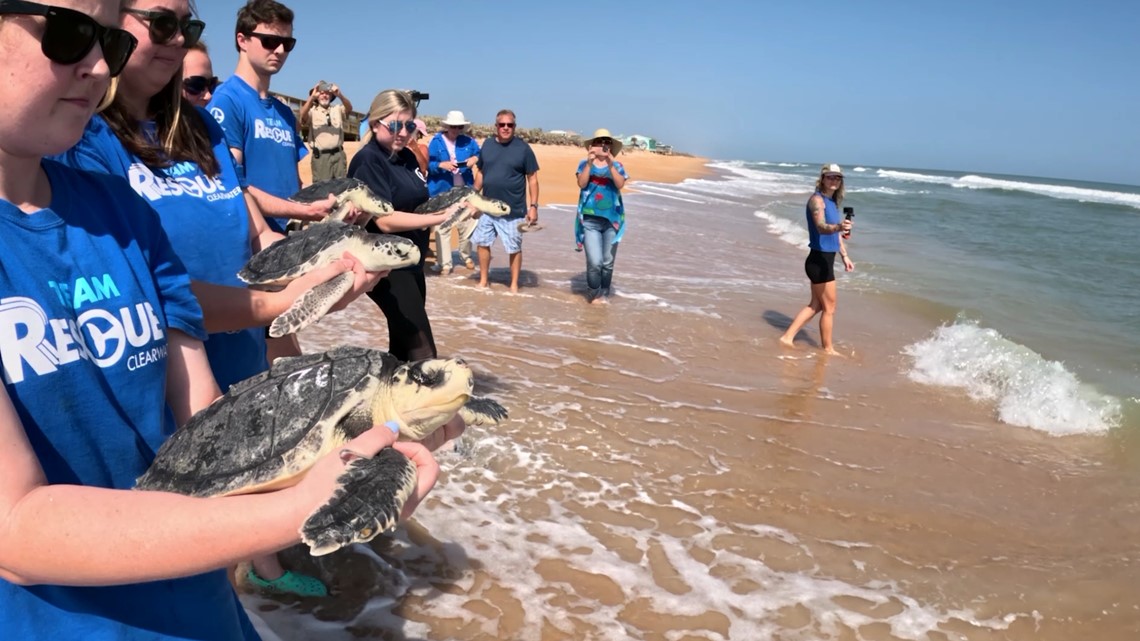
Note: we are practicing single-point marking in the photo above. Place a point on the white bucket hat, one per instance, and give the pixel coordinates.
(455, 118)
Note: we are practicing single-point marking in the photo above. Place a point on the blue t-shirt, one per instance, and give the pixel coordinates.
(265, 130)
(600, 198)
(816, 240)
(505, 168)
(206, 219)
(89, 289)
(441, 180)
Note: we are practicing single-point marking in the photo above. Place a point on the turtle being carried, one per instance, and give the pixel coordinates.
(349, 193)
(472, 202)
(316, 246)
(266, 433)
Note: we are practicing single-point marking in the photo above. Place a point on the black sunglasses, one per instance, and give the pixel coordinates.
(270, 41)
(394, 126)
(508, 125)
(195, 85)
(163, 24)
(70, 35)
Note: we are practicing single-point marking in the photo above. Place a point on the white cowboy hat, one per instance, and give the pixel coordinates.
(615, 146)
(455, 118)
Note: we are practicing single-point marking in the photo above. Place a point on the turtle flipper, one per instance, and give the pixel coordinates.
(368, 501)
(311, 306)
(463, 212)
(482, 411)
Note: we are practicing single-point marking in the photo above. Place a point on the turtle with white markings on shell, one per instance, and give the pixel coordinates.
(472, 202)
(266, 433)
(312, 248)
(349, 193)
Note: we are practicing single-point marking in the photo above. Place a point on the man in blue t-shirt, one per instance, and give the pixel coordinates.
(260, 129)
(508, 169)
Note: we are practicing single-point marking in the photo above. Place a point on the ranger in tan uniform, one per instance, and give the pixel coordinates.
(326, 131)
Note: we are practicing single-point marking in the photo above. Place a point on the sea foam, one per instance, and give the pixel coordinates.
(1029, 390)
(1063, 192)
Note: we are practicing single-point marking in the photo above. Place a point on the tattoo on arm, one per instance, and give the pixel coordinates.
(817, 216)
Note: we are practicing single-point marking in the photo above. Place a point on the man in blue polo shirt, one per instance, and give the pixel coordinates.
(260, 129)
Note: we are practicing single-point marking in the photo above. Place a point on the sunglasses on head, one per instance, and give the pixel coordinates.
(196, 85)
(163, 24)
(70, 35)
(508, 125)
(394, 126)
(270, 42)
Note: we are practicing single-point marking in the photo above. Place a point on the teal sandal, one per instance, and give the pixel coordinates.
(291, 582)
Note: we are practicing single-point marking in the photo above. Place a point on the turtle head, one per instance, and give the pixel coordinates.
(385, 251)
(423, 395)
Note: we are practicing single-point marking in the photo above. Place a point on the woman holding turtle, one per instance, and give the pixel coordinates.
(391, 171)
(175, 156)
(601, 214)
(101, 347)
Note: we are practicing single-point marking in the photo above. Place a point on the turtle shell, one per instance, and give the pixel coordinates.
(444, 200)
(320, 191)
(268, 430)
(298, 253)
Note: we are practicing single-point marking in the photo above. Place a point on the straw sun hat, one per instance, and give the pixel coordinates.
(615, 148)
(455, 118)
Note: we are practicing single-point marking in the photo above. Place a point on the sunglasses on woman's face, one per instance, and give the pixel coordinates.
(832, 177)
(70, 35)
(270, 42)
(196, 85)
(394, 126)
(163, 24)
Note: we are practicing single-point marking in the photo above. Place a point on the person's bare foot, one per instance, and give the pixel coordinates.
(514, 289)
(787, 342)
(600, 300)
(830, 351)
(482, 284)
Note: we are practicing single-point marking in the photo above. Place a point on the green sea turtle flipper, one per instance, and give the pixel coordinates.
(371, 493)
(311, 306)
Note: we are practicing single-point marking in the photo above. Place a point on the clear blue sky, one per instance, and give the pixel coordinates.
(1045, 88)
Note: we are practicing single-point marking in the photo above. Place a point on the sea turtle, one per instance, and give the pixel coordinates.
(266, 433)
(472, 200)
(316, 246)
(349, 192)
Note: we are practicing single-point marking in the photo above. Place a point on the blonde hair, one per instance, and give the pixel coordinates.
(840, 192)
(386, 103)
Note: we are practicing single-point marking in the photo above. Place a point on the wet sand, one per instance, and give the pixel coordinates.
(670, 472)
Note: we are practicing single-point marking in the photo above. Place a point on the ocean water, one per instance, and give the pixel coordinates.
(970, 471)
(1041, 274)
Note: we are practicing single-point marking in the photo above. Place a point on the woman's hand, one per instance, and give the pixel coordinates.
(448, 165)
(447, 433)
(848, 265)
(362, 283)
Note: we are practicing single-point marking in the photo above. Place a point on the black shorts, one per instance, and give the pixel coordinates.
(820, 267)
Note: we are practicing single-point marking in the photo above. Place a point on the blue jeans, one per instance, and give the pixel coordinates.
(600, 254)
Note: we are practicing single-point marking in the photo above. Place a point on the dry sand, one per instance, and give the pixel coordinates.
(558, 162)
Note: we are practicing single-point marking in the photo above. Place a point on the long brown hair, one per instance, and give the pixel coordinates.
(181, 133)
